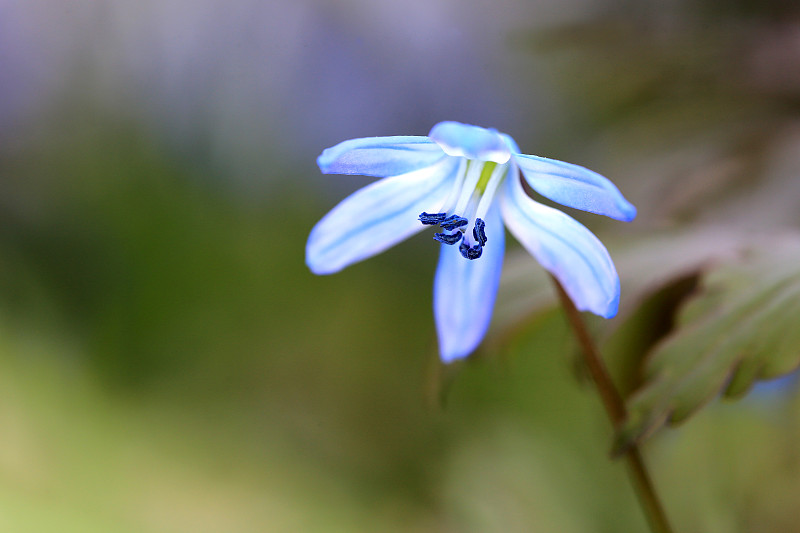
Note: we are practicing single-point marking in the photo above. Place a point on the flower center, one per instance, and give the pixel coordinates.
(466, 207)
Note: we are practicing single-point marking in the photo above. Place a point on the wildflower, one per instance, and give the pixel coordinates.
(466, 180)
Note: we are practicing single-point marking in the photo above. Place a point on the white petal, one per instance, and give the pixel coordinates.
(472, 142)
(465, 291)
(565, 248)
(380, 156)
(377, 217)
(575, 186)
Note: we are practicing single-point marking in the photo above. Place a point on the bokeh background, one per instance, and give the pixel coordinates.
(168, 363)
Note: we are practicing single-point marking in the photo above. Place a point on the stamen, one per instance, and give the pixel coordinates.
(470, 252)
(478, 232)
(472, 205)
(471, 179)
(446, 238)
(473, 192)
(455, 192)
(452, 222)
(432, 219)
(495, 179)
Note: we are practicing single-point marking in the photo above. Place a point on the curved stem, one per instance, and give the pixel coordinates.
(615, 408)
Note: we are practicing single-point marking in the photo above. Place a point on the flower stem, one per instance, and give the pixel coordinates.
(615, 408)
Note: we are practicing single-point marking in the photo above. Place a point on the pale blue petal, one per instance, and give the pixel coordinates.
(472, 142)
(464, 292)
(378, 216)
(565, 248)
(575, 186)
(511, 143)
(380, 156)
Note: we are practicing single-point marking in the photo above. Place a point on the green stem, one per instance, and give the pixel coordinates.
(615, 408)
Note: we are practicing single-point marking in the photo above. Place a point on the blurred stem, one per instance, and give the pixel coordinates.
(615, 408)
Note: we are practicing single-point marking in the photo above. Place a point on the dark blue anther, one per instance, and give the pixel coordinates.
(470, 252)
(478, 232)
(431, 219)
(452, 222)
(446, 238)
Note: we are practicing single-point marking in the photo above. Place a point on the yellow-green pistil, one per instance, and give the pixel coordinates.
(477, 183)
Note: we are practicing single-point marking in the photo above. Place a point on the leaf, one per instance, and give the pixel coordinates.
(626, 347)
(646, 264)
(739, 328)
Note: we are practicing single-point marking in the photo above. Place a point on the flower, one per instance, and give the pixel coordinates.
(466, 180)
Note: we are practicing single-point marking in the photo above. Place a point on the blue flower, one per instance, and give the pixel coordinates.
(466, 180)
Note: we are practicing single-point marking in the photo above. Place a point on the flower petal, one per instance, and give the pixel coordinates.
(575, 186)
(472, 142)
(380, 156)
(511, 143)
(377, 217)
(565, 248)
(464, 292)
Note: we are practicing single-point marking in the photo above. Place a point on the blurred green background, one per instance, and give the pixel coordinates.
(169, 364)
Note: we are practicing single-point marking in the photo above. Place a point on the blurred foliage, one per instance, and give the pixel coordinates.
(168, 364)
(740, 328)
(698, 105)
